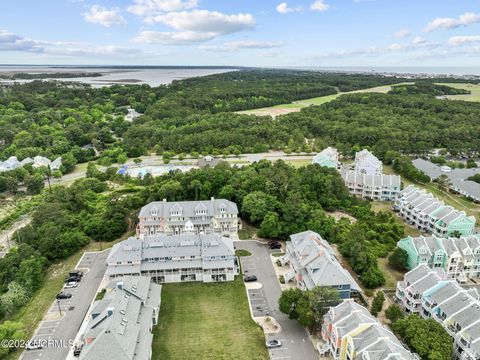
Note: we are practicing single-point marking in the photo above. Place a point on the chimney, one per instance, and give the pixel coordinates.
(212, 198)
(120, 285)
(164, 200)
(109, 311)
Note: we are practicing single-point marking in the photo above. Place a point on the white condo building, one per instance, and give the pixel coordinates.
(214, 216)
(367, 163)
(372, 187)
(457, 309)
(175, 258)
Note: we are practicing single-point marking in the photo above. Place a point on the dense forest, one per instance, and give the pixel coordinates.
(427, 88)
(410, 124)
(196, 115)
(48, 75)
(54, 118)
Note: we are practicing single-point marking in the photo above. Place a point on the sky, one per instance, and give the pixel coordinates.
(241, 32)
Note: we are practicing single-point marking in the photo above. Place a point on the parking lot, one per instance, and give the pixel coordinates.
(62, 321)
(263, 300)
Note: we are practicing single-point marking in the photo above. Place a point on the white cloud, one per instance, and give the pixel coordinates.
(149, 7)
(243, 44)
(319, 5)
(205, 21)
(194, 26)
(466, 19)
(103, 16)
(462, 40)
(402, 33)
(283, 8)
(172, 38)
(13, 42)
(417, 40)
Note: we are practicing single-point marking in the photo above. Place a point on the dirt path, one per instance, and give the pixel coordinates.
(6, 241)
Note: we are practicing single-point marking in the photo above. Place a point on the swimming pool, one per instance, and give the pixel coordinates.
(158, 170)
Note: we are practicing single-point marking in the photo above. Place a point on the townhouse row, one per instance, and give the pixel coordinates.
(458, 257)
(429, 214)
(366, 179)
(350, 332)
(429, 294)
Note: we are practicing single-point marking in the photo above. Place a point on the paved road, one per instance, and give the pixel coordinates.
(65, 328)
(296, 344)
(155, 160)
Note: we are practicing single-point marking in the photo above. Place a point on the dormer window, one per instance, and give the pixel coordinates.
(154, 211)
(200, 209)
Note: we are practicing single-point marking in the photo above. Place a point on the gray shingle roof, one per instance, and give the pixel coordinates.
(317, 260)
(170, 252)
(120, 328)
(188, 208)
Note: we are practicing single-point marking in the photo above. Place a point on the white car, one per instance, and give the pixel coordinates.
(71, 284)
(34, 344)
(272, 344)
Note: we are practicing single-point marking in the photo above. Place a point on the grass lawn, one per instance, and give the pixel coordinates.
(391, 275)
(247, 232)
(298, 162)
(207, 321)
(474, 89)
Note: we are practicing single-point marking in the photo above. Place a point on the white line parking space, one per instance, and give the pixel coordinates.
(65, 316)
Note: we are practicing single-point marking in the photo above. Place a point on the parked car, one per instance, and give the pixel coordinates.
(73, 278)
(271, 344)
(250, 278)
(276, 246)
(34, 344)
(270, 242)
(71, 284)
(64, 295)
(76, 273)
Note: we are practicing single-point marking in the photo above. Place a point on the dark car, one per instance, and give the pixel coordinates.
(76, 273)
(270, 242)
(250, 278)
(276, 246)
(73, 278)
(64, 295)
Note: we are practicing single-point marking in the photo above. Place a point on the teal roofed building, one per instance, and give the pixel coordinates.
(327, 157)
(458, 257)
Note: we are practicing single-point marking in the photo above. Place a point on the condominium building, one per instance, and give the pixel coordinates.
(175, 258)
(427, 213)
(121, 324)
(313, 263)
(352, 333)
(217, 216)
(367, 163)
(458, 257)
(12, 163)
(455, 308)
(327, 157)
(372, 187)
(409, 292)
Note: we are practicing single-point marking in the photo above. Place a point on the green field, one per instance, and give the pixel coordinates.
(298, 105)
(474, 89)
(207, 321)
